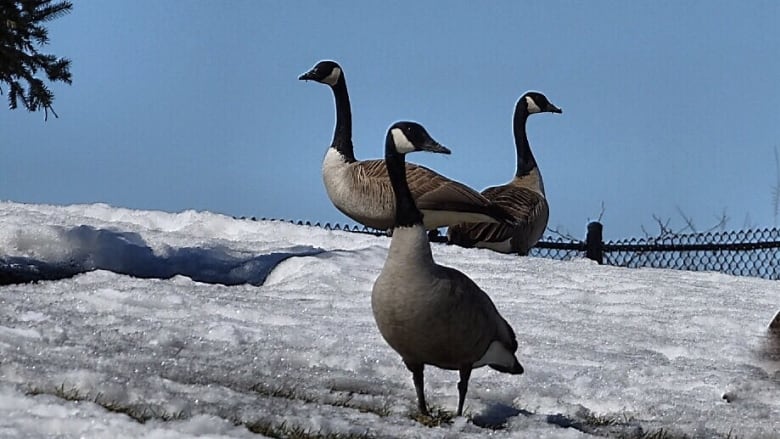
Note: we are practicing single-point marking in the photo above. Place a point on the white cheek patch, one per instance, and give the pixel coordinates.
(333, 78)
(402, 144)
(532, 107)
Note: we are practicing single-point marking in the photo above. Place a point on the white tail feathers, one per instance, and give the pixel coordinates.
(500, 358)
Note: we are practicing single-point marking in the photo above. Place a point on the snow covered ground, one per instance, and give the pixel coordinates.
(230, 328)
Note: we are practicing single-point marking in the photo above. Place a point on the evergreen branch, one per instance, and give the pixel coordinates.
(20, 60)
(55, 11)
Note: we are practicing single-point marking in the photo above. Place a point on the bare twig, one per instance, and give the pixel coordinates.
(563, 235)
(748, 223)
(723, 219)
(603, 209)
(663, 226)
(665, 230)
(689, 225)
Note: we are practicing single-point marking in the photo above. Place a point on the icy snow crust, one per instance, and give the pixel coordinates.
(607, 351)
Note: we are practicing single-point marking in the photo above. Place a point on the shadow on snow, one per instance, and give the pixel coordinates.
(127, 253)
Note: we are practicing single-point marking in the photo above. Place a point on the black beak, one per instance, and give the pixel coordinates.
(553, 109)
(434, 146)
(310, 75)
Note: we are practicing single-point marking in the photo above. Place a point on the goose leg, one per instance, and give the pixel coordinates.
(463, 387)
(417, 377)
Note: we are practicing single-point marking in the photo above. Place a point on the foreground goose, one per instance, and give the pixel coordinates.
(361, 189)
(429, 313)
(523, 197)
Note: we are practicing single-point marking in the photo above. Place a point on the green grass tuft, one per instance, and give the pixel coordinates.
(663, 434)
(343, 399)
(285, 431)
(281, 391)
(139, 413)
(346, 400)
(438, 417)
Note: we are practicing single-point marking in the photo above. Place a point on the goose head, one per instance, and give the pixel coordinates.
(325, 72)
(405, 137)
(402, 138)
(535, 102)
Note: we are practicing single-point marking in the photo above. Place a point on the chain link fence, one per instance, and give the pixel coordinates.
(327, 226)
(559, 248)
(741, 252)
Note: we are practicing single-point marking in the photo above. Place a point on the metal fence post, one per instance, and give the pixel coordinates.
(593, 245)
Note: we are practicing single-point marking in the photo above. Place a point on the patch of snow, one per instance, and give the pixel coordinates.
(645, 348)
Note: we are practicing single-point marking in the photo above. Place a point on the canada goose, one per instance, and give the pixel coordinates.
(523, 197)
(429, 313)
(774, 325)
(771, 344)
(361, 189)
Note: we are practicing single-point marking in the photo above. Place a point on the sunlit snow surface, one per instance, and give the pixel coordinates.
(607, 351)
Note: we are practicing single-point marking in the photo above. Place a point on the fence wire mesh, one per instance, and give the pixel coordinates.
(558, 248)
(741, 252)
(327, 226)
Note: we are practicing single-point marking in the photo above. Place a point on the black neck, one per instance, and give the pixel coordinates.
(406, 212)
(525, 158)
(342, 136)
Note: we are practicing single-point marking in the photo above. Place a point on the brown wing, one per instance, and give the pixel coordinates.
(478, 321)
(431, 191)
(529, 210)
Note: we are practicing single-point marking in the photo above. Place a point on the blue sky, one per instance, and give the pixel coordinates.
(668, 106)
